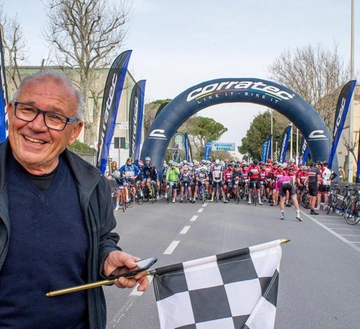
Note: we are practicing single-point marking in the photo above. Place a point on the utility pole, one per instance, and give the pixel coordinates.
(351, 108)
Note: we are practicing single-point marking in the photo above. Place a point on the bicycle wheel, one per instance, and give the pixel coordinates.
(351, 214)
(330, 204)
(305, 200)
(237, 195)
(253, 196)
(170, 192)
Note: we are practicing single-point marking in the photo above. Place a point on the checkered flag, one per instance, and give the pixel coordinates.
(237, 289)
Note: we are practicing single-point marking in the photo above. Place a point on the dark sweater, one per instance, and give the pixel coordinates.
(48, 249)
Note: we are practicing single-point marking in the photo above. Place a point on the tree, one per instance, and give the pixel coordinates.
(86, 35)
(150, 112)
(201, 130)
(256, 135)
(15, 49)
(316, 74)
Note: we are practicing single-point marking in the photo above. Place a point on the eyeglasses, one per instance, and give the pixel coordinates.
(53, 120)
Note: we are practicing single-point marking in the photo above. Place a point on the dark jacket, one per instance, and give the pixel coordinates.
(95, 199)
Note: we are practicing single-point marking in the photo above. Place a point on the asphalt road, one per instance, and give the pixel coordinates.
(320, 267)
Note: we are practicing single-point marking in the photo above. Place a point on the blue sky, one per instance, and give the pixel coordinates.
(178, 44)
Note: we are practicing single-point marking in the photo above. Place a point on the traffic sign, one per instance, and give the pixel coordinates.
(222, 146)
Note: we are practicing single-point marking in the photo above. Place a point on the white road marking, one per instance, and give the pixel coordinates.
(205, 204)
(193, 218)
(200, 210)
(185, 229)
(171, 248)
(349, 243)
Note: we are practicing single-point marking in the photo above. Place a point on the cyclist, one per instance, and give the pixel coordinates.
(185, 178)
(314, 177)
(285, 185)
(151, 176)
(262, 178)
(278, 172)
(292, 174)
(172, 176)
(254, 172)
(121, 183)
(201, 178)
(268, 180)
(237, 177)
(324, 185)
(217, 176)
(130, 170)
(228, 173)
(301, 179)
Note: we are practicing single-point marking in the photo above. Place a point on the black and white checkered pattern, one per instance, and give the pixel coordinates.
(237, 289)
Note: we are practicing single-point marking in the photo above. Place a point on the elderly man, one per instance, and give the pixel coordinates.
(56, 214)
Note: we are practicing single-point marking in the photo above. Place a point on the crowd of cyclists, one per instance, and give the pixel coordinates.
(253, 182)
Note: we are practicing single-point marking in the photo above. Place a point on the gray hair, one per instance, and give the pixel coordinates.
(57, 76)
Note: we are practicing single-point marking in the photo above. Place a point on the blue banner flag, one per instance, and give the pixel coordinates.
(285, 143)
(111, 99)
(264, 150)
(304, 151)
(187, 148)
(3, 96)
(136, 115)
(207, 150)
(340, 116)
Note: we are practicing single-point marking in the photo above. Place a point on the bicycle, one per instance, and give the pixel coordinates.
(217, 190)
(352, 212)
(237, 191)
(202, 192)
(122, 199)
(253, 193)
(151, 194)
(186, 192)
(305, 199)
(345, 199)
(170, 191)
(333, 198)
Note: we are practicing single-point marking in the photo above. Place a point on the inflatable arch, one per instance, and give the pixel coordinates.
(243, 90)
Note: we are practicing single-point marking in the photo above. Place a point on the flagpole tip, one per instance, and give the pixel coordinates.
(286, 240)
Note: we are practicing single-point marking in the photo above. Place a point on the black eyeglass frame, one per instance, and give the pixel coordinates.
(67, 119)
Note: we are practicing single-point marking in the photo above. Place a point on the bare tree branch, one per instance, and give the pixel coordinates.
(86, 36)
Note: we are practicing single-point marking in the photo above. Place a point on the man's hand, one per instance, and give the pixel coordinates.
(118, 259)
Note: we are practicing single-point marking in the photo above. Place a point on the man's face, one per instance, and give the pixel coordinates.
(35, 146)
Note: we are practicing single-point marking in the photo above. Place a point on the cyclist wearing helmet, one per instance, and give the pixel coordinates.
(201, 178)
(172, 176)
(185, 178)
(151, 176)
(217, 176)
(325, 183)
(228, 173)
(291, 165)
(301, 179)
(314, 178)
(237, 177)
(254, 175)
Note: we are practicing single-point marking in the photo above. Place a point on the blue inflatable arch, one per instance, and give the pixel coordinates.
(232, 90)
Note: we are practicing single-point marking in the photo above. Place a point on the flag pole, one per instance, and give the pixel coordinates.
(89, 286)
